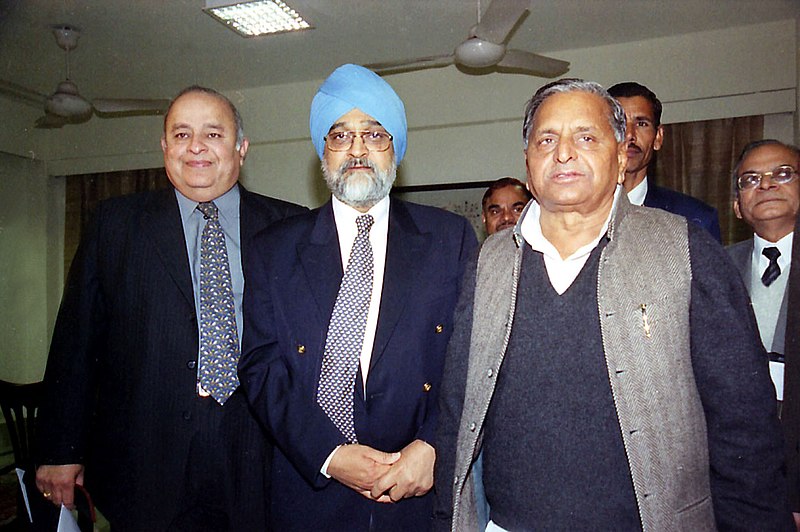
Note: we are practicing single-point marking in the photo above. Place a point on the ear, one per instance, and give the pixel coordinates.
(659, 138)
(736, 210)
(164, 143)
(243, 150)
(622, 161)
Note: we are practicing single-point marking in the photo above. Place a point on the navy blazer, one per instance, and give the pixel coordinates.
(121, 376)
(690, 208)
(293, 279)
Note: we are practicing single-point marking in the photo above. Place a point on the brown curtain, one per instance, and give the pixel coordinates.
(697, 158)
(84, 191)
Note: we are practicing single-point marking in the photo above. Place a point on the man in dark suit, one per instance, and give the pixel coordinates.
(142, 393)
(347, 317)
(767, 197)
(645, 135)
(790, 416)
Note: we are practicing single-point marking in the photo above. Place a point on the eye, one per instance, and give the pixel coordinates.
(519, 208)
(586, 138)
(784, 173)
(215, 135)
(494, 211)
(642, 123)
(181, 135)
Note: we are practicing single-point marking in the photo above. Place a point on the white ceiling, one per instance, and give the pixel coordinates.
(152, 48)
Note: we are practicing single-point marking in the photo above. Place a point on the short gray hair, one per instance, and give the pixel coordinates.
(616, 116)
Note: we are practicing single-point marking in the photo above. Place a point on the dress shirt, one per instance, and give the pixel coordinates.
(767, 300)
(639, 193)
(193, 224)
(345, 218)
(561, 272)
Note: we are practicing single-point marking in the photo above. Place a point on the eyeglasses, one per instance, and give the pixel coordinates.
(780, 176)
(373, 140)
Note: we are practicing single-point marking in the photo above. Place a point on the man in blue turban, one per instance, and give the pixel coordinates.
(347, 316)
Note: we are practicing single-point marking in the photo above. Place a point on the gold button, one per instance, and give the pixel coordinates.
(426, 387)
(301, 349)
(439, 328)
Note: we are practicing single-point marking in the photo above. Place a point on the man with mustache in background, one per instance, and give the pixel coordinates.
(347, 318)
(503, 203)
(644, 136)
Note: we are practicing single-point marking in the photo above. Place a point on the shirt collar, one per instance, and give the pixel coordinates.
(345, 214)
(639, 193)
(227, 204)
(530, 230)
(784, 245)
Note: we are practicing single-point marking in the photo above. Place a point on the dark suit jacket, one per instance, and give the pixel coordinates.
(690, 208)
(790, 417)
(293, 280)
(121, 374)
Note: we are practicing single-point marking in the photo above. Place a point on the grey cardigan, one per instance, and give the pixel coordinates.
(644, 287)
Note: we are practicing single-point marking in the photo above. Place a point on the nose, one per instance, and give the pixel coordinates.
(565, 150)
(197, 145)
(358, 148)
(766, 182)
(630, 131)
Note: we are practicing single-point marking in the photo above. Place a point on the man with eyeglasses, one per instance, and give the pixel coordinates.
(347, 318)
(768, 198)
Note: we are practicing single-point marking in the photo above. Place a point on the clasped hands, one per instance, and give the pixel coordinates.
(385, 477)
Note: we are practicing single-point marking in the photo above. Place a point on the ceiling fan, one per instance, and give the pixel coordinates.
(485, 48)
(66, 105)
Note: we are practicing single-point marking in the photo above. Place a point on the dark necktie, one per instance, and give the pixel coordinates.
(773, 270)
(219, 339)
(345, 337)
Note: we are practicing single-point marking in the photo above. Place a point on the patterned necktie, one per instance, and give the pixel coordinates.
(773, 270)
(219, 339)
(346, 334)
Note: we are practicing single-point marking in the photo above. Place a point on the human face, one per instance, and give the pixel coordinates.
(574, 162)
(503, 208)
(199, 144)
(359, 177)
(642, 137)
(770, 209)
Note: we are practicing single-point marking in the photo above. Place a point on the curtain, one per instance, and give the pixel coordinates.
(84, 191)
(697, 158)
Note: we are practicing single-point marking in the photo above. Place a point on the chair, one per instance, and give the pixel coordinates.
(20, 404)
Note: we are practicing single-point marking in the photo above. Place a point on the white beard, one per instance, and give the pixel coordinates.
(359, 189)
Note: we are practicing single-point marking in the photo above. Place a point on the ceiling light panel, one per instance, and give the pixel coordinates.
(259, 17)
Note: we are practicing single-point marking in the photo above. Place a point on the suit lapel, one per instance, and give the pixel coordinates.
(251, 221)
(162, 224)
(406, 250)
(321, 261)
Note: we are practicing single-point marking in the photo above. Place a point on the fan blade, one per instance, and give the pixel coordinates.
(500, 18)
(391, 67)
(530, 63)
(129, 106)
(22, 94)
(50, 121)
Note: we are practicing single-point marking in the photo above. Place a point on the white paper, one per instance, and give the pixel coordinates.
(66, 521)
(776, 372)
(20, 474)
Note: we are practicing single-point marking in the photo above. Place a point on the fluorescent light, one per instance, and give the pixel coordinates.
(259, 17)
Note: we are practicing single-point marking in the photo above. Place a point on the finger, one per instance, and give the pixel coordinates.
(382, 457)
(383, 484)
(384, 499)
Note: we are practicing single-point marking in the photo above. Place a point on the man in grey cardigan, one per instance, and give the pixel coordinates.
(604, 362)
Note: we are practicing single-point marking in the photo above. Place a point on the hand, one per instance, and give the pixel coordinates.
(410, 476)
(358, 466)
(57, 483)
(796, 516)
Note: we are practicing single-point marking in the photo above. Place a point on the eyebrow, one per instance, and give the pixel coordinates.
(212, 125)
(364, 123)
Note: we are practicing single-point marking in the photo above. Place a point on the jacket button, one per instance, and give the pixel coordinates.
(439, 328)
(490, 373)
(191, 364)
(187, 415)
(301, 349)
(427, 387)
(472, 427)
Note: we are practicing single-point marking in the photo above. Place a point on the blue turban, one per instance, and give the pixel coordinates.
(350, 87)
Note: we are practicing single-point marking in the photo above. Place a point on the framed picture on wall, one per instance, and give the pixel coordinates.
(460, 198)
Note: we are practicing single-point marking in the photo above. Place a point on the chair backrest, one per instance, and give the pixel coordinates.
(19, 403)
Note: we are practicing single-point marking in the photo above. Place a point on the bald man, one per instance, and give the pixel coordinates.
(347, 318)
